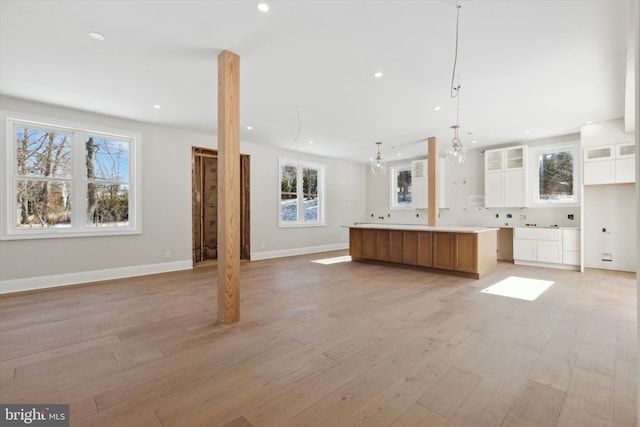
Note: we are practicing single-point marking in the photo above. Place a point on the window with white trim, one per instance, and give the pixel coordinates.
(66, 179)
(301, 193)
(557, 176)
(401, 186)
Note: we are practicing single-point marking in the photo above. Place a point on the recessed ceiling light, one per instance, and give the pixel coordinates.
(526, 132)
(156, 106)
(437, 108)
(249, 127)
(399, 154)
(588, 122)
(96, 36)
(377, 74)
(263, 7)
(311, 142)
(474, 141)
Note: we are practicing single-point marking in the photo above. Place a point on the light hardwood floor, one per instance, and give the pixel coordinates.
(327, 345)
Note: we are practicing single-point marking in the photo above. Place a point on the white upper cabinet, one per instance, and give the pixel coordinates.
(515, 158)
(493, 160)
(419, 183)
(596, 154)
(626, 162)
(419, 169)
(610, 164)
(505, 179)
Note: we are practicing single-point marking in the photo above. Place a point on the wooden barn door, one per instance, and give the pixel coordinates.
(205, 207)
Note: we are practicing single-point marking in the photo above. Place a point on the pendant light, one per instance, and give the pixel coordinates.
(378, 165)
(456, 153)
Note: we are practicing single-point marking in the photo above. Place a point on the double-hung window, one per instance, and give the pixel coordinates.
(301, 193)
(67, 179)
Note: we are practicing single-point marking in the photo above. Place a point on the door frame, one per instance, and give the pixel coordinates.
(245, 200)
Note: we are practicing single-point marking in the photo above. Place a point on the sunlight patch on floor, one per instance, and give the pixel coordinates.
(334, 260)
(519, 287)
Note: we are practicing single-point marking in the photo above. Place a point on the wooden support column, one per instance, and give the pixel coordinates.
(432, 181)
(228, 187)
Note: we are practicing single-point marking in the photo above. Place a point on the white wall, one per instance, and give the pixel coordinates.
(166, 221)
(344, 205)
(609, 207)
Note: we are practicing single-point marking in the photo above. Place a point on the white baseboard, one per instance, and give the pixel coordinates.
(255, 256)
(42, 282)
(548, 265)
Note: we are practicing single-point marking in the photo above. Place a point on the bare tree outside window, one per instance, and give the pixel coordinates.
(107, 182)
(310, 192)
(301, 205)
(65, 180)
(403, 184)
(556, 175)
(288, 193)
(43, 160)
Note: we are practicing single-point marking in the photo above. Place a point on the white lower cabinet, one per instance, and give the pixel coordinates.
(549, 251)
(524, 249)
(542, 246)
(571, 247)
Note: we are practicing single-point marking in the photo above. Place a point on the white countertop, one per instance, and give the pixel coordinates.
(542, 226)
(441, 228)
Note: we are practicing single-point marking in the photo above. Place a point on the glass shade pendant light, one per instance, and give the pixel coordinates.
(456, 153)
(378, 165)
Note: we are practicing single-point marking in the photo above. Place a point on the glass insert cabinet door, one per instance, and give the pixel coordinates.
(515, 158)
(493, 160)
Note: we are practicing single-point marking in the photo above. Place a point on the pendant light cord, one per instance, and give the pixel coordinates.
(455, 89)
(458, 106)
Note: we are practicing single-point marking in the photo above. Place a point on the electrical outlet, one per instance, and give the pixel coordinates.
(523, 217)
(607, 257)
(168, 254)
(509, 216)
(570, 216)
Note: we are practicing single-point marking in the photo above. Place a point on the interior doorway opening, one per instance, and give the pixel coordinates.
(205, 206)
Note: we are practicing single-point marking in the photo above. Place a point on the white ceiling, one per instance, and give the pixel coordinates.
(543, 67)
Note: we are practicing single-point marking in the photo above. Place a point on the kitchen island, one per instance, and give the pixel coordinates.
(467, 251)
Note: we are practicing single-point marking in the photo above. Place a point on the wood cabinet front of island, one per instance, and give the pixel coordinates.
(469, 253)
